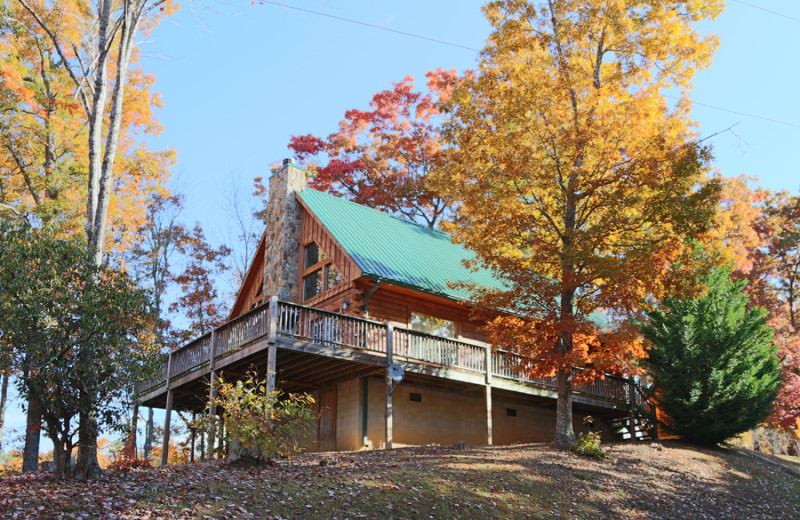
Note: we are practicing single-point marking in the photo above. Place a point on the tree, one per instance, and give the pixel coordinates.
(712, 362)
(151, 259)
(779, 265)
(44, 131)
(383, 157)
(93, 47)
(78, 332)
(758, 233)
(577, 184)
(199, 300)
(781, 226)
(243, 210)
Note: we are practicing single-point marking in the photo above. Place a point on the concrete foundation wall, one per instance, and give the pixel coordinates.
(348, 415)
(442, 417)
(535, 423)
(439, 418)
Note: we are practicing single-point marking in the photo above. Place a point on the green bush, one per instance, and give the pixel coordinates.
(265, 424)
(588, 445)
(713, 365)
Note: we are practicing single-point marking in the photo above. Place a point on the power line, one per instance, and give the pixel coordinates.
(744, 114)
(464, 47)
(372, 26)
(770, 11)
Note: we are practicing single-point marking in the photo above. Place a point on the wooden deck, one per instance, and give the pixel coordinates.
(315, 346)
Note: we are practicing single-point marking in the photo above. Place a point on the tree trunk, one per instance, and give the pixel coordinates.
(148, 434)
(221, 438)
(127, 33)
(3, 401)
(87, 467)
(202, 444)
(30, 454)
(134, 428)
(60, 460)
(565, 435)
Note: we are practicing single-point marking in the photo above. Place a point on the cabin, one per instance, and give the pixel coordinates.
(337, 294)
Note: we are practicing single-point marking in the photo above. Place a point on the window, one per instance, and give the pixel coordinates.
(511, 412)
(319, 274)
(433, 325)
(417, 398)
(332, 276)
(311, 255)
(312, 285)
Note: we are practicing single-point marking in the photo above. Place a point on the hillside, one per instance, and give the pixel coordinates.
(644, 481)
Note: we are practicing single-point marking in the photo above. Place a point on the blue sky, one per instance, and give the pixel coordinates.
(237, 80)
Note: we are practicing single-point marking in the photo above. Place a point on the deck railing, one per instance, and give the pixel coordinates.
(329, 328)
(336, 330)
(444, 352)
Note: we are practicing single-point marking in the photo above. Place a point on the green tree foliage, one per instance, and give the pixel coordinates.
(264, 424)
(78, 335)
(712, 362)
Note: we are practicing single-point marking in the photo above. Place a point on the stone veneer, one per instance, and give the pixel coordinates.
(284, 226)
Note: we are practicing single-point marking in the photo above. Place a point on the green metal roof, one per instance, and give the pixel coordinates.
(396, 250)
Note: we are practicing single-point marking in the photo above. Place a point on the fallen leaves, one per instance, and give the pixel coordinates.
(517, 482)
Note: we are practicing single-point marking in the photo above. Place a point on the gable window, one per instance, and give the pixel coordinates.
(433, 325)
(319, 274)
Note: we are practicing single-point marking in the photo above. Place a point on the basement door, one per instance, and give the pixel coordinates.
(327, 420)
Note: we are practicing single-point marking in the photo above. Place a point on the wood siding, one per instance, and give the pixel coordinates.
(314, 231)
(395, 304)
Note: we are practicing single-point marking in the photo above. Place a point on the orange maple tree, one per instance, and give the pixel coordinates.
(44, 132)
(383, 157)
(578, 183)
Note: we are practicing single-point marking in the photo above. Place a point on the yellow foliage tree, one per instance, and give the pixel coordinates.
(45, 130)
(578, 181)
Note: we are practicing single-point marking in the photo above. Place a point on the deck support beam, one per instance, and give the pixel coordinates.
(632, 410)
(167, 415)
(389, 386)
(212, 394)
(193, 434)
(272, 348)
(488, 390)
(364, 410)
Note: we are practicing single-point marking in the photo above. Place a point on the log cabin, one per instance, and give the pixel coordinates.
(336, 294)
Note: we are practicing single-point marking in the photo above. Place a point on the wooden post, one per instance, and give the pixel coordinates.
(632, 410)
(488, 389)
(272, 349)
(212, 393)
(167, 415)
(193, 435)
(389, 385)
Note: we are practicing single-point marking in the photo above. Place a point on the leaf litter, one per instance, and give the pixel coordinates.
(640, 481)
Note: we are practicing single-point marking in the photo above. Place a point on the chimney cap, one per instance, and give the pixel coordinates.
(288, 161)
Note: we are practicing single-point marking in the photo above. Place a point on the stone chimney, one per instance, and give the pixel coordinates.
(284, 225)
